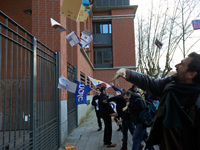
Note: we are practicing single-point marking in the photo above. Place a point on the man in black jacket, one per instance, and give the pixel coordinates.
(95, 104)
(105, 111)
(135, 106)
(176, 124)
(127, 124)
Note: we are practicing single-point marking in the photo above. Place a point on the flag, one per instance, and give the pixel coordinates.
(66, 84)
(81, 93)
(158, 43)
(196, 24)
(96, 82)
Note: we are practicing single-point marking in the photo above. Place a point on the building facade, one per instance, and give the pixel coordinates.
(113, 47)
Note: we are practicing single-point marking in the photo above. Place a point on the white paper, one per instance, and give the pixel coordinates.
(26, 118)
(83, 44)
(67, 85)
(57, 25)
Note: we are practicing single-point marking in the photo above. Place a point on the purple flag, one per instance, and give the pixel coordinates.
(196, 24)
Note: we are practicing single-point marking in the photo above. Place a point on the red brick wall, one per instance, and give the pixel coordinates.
(14, 9)
(123, 39)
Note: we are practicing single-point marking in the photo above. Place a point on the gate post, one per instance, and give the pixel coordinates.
(33, 93)
(58, 103)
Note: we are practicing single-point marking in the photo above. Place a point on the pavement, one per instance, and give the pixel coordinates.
(86, 136)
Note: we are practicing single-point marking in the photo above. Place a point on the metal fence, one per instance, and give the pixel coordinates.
(71, 105)
(29, 99)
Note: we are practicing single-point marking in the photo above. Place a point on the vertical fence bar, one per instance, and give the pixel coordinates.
(6, 53)
(16, 101)
(11, 67)
(57, 96)
(24, 111)
(33, 92)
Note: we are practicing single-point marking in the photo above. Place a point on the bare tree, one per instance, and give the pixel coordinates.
(164, 23)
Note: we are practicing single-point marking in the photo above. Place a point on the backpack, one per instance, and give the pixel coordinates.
(147, 114)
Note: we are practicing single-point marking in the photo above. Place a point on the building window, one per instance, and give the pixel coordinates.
(103, 57)
(102, 28)
(82, 78)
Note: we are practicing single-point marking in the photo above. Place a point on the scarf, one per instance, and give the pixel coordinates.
(179, 98)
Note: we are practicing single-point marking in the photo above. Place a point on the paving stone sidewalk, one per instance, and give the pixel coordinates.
(86, 136)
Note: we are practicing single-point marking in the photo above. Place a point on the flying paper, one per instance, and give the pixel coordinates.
(66, 84)
(57, 26)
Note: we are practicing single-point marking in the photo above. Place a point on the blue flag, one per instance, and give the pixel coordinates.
(81, 93)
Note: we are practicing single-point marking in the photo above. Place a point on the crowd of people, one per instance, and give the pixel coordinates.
(176, 125)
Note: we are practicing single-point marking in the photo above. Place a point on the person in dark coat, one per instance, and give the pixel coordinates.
(95, 104)
(176, 125)
(105, 111)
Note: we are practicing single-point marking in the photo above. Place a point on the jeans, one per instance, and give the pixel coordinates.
(139, 134)
(127, 125)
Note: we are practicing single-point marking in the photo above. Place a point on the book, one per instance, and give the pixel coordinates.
(73, 38)
(196, 24)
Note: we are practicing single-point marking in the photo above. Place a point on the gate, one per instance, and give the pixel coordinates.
(71, 104)
(29, 100)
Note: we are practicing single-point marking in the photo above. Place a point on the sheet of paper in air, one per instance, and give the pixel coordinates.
(158, 44)
(66, 84)
(57, 26)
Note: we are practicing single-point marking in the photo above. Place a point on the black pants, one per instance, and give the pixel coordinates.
(107, 130)
(98, 119)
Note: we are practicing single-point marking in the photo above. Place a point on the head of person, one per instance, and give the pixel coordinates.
(103, 90)
(98, 91)
(134, 88)
(126, 95)
(117, 93)
(188, 71)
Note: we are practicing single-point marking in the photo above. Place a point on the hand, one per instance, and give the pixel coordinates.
(115, 114)
(119, 122)
(120, 73)
(155, 101)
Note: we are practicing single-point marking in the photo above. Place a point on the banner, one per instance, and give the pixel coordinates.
(96, 82)
(81, 93)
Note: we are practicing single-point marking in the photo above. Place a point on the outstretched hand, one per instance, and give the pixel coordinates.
(120, 73)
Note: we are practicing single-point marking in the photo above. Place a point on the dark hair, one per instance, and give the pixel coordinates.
(133, 86)
(126, 93)
(194, 66)
(103, 88)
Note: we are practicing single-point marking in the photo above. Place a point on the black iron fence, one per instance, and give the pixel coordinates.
(29, 99)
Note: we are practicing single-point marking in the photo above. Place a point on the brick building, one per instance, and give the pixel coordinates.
(113, 46)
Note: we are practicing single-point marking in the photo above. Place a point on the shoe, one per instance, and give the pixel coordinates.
(112, 145)
(123, 148)
(99, 129)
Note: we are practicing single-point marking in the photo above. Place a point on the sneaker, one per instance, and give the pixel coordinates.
(123, 148)
(112, 145)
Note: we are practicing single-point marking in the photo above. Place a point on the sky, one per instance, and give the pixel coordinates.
(178, 55)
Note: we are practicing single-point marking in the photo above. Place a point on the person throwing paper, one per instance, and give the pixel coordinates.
(176, 124)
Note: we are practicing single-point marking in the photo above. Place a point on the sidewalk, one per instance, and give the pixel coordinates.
(86, 136)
